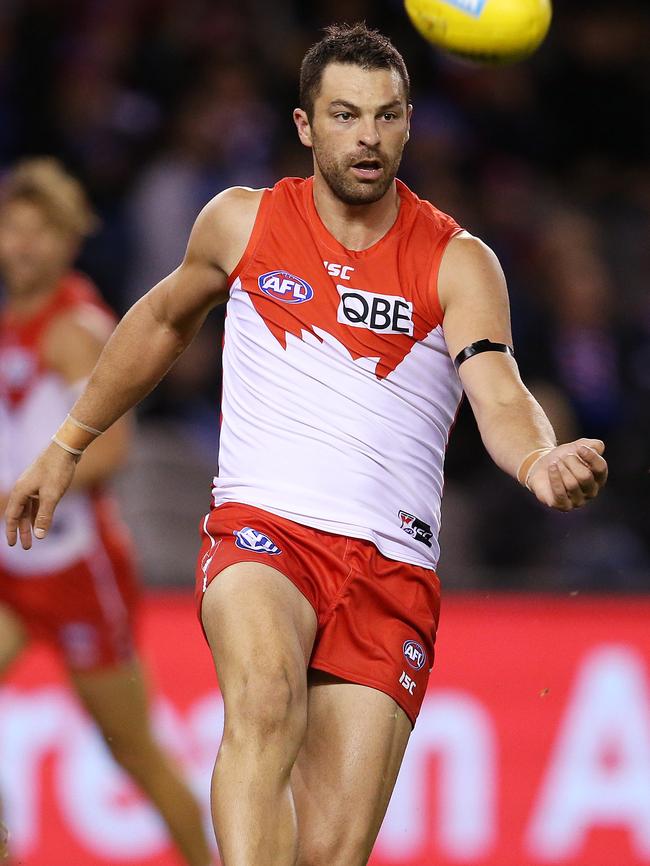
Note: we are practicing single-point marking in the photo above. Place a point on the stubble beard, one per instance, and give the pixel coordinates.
(345, 187)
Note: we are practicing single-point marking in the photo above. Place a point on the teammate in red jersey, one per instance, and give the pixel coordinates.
(316, 581)
(78, 591)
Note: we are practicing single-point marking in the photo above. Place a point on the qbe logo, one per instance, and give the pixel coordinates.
(414, 654)
(388, 314)
(285, 287)
(250, 539)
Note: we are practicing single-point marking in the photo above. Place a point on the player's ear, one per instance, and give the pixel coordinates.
(303, 126)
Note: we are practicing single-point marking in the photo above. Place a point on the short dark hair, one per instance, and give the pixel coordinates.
(356, 45)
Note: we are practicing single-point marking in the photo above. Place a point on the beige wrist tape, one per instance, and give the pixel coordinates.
(75, 451)
(75, 436)
(527, 464)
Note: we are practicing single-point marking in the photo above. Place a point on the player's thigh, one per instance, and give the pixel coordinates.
(13, 637)
(261, 630)
(116, 698)
(346, 770)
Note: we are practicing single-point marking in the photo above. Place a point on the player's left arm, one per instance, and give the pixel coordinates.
(71, 347)
(514, 428)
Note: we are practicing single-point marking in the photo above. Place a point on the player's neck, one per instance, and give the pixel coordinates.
(356, 227)
(24, 301)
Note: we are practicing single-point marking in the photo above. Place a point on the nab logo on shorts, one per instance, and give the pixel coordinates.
(416, 528)
(81, 643)
(250, 539)
(285, 287)
(414, 654)
(387, 314)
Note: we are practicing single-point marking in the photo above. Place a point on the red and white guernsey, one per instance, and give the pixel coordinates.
(338, 389)
(33, 402)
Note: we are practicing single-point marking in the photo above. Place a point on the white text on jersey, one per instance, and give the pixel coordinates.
(342, 271)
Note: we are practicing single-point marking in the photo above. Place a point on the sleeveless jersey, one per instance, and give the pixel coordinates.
(338, 389)
(34, 400)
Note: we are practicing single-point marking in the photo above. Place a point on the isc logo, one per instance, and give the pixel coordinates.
(407, 683)
(285, 287)
(335, 270)
(388, 314)
(414, 654)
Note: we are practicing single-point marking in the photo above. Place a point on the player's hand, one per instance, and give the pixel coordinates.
(36, 494)
(569, 475)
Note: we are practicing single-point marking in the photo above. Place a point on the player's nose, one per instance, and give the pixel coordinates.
(369, 132)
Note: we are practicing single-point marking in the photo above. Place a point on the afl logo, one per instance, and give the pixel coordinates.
(414, 654)
(285, 287)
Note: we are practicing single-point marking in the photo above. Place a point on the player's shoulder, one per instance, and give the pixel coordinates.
(467, 251)
(225, 223)
(76, 309)
(85, 326)
(234, 203)
(79, 321)
(239, 196)
(240, 203)
(469, 267)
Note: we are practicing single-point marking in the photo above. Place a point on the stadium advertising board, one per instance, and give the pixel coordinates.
(532, 749)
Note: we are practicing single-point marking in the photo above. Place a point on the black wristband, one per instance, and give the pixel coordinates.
(481, 346)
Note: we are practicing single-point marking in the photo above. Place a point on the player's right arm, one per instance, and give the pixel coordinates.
(143, 347)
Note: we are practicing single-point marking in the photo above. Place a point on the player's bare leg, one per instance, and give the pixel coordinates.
(4, 839)
(346, 770)
(12, 641)
(261, 630)
(117, 700)
(13, 638)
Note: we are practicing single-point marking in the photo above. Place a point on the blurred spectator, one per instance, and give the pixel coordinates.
(221, 137)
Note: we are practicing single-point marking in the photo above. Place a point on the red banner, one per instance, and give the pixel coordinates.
(532, 748)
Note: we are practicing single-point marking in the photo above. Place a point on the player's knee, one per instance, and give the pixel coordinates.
(123, 750)
(267, 704)
(347, 849)
(131, 751)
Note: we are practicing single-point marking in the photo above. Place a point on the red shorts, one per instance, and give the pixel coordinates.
(377, 617)
(86, 610)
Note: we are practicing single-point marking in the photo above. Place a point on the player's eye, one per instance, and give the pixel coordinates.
(389, 115)
(343, 115)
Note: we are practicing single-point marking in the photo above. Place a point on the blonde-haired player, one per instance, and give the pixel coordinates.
(78, 591)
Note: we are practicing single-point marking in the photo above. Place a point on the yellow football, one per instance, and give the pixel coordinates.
(490, 31)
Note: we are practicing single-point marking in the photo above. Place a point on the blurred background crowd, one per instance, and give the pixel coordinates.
(157, 105)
